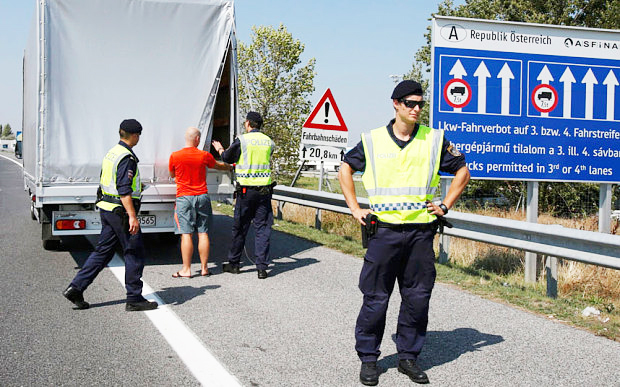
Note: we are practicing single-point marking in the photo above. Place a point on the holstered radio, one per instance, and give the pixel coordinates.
(370, 229)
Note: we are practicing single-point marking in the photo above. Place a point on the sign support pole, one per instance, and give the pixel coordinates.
(551, 269)
(604, 208)
(317, 217)
(444, 240)
(531, 216)
(298, 173)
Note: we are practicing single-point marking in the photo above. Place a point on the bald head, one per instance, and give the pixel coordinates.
(192, 136)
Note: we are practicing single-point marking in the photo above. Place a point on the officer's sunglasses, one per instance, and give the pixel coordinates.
(411, 104)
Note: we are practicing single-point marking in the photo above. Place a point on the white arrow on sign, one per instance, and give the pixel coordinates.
(545, 77)
(505, 75)
(611, 82)
(567, 79)
(482, 73)
(458, 71)
(590, 80)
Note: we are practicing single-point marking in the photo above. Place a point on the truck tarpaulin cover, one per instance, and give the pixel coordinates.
(89, 64)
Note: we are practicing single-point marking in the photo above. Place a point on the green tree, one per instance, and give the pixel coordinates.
(275, 84)
(580, 13)
(7, 131)
(562, 199)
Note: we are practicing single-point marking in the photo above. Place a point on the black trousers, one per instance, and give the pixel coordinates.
(406, 256)
(255, 206)
(113, 232)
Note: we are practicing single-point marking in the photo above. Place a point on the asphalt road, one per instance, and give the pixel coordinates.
(293, 329)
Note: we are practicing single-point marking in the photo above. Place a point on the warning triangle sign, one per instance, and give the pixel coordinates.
(326, 115)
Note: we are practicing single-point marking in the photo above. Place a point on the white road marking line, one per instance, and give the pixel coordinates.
(11, 160)
(197, 358)
(192, 351)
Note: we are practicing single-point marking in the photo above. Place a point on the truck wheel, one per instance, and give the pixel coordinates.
(51, 244)
(32, 215)
(169, 238)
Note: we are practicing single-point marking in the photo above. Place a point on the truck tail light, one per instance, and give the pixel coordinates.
(70, 224)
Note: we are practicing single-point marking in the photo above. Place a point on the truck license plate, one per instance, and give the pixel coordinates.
(146, 220)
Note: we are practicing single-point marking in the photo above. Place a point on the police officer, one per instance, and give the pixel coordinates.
(252, 154)
(118, 202)
(400, 162)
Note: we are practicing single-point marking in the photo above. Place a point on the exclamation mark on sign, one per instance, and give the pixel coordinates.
(326, 111)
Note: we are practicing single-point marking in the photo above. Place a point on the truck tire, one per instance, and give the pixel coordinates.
(51, 245)
(169, 238)
(49, 241)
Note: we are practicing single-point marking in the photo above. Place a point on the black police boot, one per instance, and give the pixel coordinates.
(76, 296)
(139, 306)
(369, 375)
(262, 274)
(411, 369)
(231, 268)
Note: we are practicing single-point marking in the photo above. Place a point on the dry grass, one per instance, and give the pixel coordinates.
(574, 278)
(332, 222)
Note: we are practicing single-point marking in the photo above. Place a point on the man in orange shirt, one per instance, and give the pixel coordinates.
(193, 212)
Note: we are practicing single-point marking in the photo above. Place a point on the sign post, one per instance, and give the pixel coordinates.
(324, 137)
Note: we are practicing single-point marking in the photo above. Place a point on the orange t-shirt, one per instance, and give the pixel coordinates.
(190, 169)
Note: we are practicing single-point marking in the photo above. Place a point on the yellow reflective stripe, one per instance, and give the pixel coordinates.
(254, 166)
(395, 191)
(434, 160)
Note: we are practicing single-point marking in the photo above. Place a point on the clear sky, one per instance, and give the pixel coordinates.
(357, 45)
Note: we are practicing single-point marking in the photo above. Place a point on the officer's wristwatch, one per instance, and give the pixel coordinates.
(443, 208)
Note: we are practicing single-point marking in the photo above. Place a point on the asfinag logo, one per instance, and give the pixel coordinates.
(593, 44)
(453, 33)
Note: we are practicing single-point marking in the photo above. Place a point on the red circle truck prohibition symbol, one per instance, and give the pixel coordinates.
(544, 98)
(457, 93)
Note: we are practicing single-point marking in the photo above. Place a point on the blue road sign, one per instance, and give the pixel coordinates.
(529, 102)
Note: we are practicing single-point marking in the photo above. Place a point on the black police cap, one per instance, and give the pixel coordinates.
(254, 116)
(407, 87)
(131, 126)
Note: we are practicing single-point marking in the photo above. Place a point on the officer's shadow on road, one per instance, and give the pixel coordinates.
(171, 296)
(178, 295)
(445, 346)
(283, 248)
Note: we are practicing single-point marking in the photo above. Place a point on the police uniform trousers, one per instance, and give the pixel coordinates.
(113, 232)
(405, 255)
(252, 205)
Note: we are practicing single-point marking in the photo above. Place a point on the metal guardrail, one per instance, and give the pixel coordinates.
(550, 240)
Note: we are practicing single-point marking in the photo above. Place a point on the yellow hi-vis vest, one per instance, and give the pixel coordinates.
(253, 167)
(108, 178)
(400, 181)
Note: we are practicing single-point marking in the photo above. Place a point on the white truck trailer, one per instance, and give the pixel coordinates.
(88, 65)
